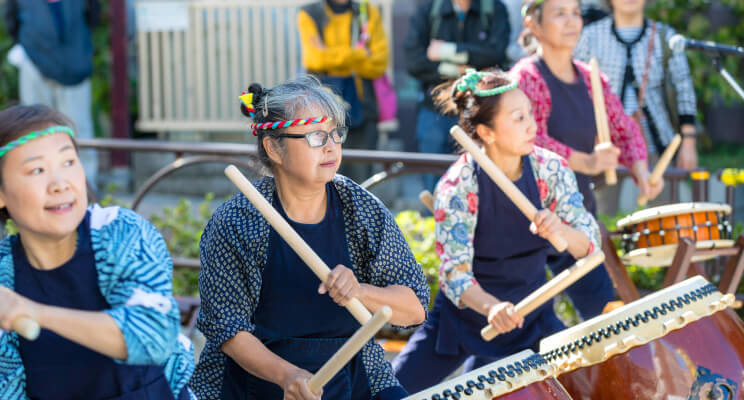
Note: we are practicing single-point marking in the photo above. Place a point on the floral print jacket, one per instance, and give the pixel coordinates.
(456, 214)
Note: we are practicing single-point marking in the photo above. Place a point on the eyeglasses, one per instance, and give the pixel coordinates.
(319, 138)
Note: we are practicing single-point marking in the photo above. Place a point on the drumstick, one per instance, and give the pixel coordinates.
(661, 165)
(511, 190)
(428, 200)
(550, 289)
(290, 236)
(600, 114)
(26, 327)
(349, 349)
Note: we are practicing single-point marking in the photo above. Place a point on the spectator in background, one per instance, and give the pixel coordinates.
(622, 43)
(344, 44)
(54, 56)
(445, 37)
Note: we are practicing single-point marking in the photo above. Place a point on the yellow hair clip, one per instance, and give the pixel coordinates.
(247, 99)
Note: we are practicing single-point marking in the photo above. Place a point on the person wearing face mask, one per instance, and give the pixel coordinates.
(490, 257)
(653, 83)
(269, 322)
(344, 44)
(559, 90)
(96, 280)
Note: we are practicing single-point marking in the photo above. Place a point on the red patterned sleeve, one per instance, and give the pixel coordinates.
(537, 91)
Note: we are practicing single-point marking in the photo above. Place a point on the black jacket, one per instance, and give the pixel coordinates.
(485, 48)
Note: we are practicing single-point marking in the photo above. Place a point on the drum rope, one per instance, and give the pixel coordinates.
(639, 318)
(501, 373)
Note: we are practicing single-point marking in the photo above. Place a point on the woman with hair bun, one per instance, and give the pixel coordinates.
(269, 323)
(491, 259)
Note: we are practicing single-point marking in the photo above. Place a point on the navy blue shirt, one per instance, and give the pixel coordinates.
(57, 368)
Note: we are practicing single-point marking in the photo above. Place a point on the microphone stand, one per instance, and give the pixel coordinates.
(731, 81)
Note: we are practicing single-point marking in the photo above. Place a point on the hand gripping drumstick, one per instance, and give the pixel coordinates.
(661, 165)
(600, 115)
(550, 289)
(290, 236)
(511, 190)
(428, 200)
(349, 349)
(27, 328)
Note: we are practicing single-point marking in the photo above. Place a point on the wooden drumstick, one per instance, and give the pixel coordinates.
(661, 166)
(506, 185)
(290, 236)
(27, 328)
(549, 290)
(349, 349)
(600, 115)
(428, 200)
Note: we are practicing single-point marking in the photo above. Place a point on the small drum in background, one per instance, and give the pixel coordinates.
(678, 343)
(522, 376)
(650, 237)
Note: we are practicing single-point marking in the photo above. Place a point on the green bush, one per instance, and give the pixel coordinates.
(419, 233)
(182, 228)
(691, 18)
(8, 73)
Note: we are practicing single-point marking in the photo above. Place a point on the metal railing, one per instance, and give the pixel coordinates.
(394, 164)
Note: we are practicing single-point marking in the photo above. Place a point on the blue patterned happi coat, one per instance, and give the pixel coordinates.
(234, 251)
(135, 278)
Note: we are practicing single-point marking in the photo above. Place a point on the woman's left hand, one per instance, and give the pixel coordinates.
(14, 306)
(341, 285)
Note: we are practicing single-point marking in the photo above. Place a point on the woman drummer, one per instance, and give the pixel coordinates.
(559, 90)
(269, 322)
(97, 280)
(491, 257)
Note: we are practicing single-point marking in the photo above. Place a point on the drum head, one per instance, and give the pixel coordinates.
(498, 378)
(662, 256)
(670, 209)
(634, 324)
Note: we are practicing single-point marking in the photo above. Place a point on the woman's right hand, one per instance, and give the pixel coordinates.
(295, 386)
(604, 157)
(504, 318)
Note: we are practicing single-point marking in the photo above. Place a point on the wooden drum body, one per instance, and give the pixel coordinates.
(689, 347)
(651, 236)
(523, 376)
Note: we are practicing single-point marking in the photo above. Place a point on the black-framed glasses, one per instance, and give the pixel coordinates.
(319, 138)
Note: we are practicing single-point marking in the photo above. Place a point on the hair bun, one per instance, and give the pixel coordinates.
(258, 92)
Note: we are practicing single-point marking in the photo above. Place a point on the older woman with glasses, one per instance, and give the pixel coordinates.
(269, 323)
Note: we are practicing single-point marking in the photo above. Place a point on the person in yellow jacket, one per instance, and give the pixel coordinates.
(344, 44)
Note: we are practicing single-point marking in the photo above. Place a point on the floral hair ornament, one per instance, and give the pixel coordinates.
(286, 124)
(247, 100)
(526, 8)
(471, 79)
(35, 135)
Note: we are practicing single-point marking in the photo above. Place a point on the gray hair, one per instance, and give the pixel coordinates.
(285, 102)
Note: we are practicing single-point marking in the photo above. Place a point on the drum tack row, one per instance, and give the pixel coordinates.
(682, 342)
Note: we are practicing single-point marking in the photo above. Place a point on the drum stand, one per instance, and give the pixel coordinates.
(681, 267)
